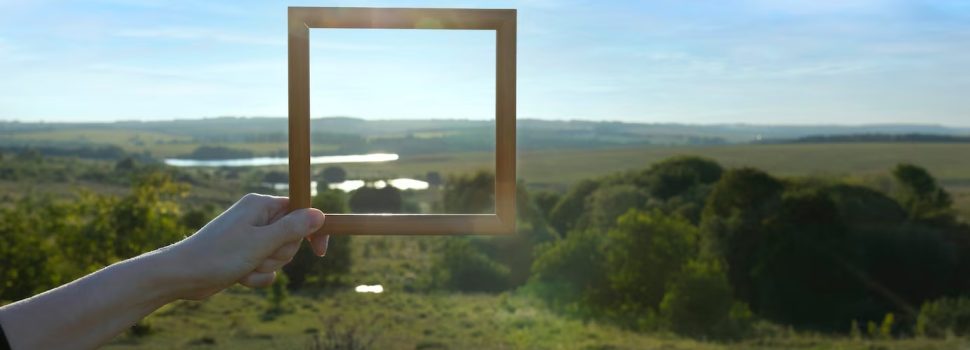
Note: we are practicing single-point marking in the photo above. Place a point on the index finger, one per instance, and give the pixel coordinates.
(319, 242)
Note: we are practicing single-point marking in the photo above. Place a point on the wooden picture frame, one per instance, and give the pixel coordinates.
(502, 21)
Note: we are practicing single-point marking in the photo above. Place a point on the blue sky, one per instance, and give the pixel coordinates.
(698, 61)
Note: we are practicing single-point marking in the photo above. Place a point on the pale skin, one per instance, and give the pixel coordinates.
(246, 244)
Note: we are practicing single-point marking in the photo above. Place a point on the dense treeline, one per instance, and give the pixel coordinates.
(650, 249)
(908, 137)
(108, 152)
(684, 245)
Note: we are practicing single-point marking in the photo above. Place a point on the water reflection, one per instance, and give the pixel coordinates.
(266, 161)
(283, 187)
(403, 184)
(363, 288)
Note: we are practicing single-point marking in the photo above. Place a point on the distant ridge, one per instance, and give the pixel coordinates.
(655, 133)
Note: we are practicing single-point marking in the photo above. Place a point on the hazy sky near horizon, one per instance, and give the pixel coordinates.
(703, 61)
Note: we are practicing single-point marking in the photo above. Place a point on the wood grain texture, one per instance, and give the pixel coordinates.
(502, 21)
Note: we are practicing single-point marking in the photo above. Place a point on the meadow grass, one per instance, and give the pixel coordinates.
(240, 318)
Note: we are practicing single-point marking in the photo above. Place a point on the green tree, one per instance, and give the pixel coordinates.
(376, 200)
(25, 264)
(470, 194)
(149, 217)
(732, 223)
(608, 203)
(460, 266)
(644, 253)
(332, 174)
(570, 273)
(944, 316)
(920, 194)
(674, 176)
(565, 216)
(699, 304)
(546, 201)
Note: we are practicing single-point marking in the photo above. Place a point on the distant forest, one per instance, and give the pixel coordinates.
(915, 137)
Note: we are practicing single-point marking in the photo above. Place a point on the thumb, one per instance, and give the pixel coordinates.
(293, 226)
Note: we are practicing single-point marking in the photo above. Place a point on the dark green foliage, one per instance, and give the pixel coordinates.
(460, 266)
(376, 200)
(644, 253)
(920, 194)
(195, 218)
(126, 164)
(276, 177)
(699, 304)
(332, 174)
(944, 317)
(570, 274)
(25, 265)
(607, 203)
(565, 216)
(732, 223)
(470, 194)
(545, 201)
(218, 152)
(148, 218)
(433, 178)
(674, 176)
(821, 254)
(88, 232)
(278, 294)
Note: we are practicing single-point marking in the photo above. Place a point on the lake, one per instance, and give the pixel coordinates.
(266, 161)
(402, 184)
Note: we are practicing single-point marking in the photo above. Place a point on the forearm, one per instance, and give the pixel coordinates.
(90, 311)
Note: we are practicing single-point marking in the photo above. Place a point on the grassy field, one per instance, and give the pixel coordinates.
(237, 319)
(948, 162)
(397, 319)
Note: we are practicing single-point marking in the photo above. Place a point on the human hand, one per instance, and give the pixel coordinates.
(247, 244)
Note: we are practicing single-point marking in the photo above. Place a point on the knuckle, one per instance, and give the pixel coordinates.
(253, 198)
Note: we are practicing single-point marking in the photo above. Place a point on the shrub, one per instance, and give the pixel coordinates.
(277, 296)
(569, 274)
(944, 316)
(460, 266)
(644, 254)
(699, 304)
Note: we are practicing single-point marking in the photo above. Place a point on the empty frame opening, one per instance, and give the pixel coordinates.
(403, 121)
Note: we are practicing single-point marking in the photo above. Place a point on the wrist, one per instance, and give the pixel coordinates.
(164, 277)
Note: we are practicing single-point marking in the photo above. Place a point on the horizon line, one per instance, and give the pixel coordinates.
(566, 120)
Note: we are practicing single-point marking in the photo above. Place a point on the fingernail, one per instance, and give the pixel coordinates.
(326, 243)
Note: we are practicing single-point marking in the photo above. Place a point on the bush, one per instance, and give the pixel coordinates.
(644, 254)
(278, 294)
(699, 304)
(460, 266)
(569, 274)
(376, 200)
(470, 194)
(677, 175)
(25, 267)
(945, 316)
